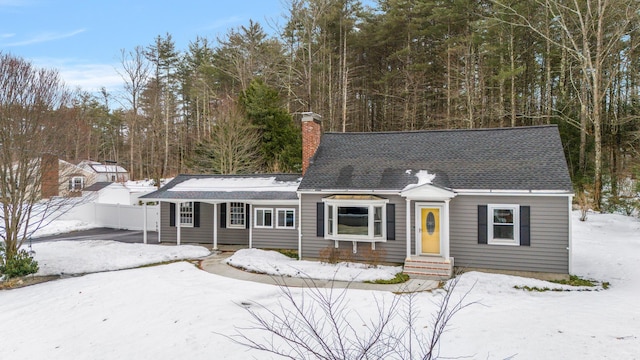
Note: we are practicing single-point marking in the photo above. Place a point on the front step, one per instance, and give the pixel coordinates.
(428, 267)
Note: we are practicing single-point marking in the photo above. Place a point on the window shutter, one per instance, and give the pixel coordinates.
(391, 221)
(196, 214)
(320, 219)
(172, 214)
(525, 226)
(482, 224)
(247, 217)
(223, 215)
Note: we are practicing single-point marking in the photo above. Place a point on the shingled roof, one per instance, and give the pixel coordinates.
(229, 187)
(520, 158)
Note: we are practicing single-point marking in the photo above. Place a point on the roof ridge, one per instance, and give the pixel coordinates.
(443, 130)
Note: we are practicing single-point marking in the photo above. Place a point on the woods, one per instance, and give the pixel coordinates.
(229, 104)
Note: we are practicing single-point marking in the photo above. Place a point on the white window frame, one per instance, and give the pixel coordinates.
(72, 181)
(186, 214)
(230, 213)
(284, 226)
(491, 240)
(262, 217)
(331, 210)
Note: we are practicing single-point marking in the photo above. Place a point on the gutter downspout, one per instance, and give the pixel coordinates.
(144, 225)
(299, 226)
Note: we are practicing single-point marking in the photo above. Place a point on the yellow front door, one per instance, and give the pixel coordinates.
(430, 229)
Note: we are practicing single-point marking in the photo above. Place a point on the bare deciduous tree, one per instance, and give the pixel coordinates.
(317, 324)
(29, 102)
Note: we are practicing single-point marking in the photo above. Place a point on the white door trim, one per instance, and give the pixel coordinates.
(444, 227)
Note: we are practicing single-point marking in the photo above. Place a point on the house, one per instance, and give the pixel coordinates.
(62, 178)
(109, 172)
(495, 199)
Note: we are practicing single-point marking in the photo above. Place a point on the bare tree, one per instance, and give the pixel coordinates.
(592, 31)
(29, 102)
(135, 73)
(316, 325)
(232, 147)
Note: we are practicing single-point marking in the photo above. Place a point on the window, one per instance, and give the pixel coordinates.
(236, 215)
(264, 218)
(76, 183)
(503, 224)
(286, 219)
(186, 214)
(356, 218)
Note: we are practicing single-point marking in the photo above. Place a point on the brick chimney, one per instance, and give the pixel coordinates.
(50, 181)
(311, 132)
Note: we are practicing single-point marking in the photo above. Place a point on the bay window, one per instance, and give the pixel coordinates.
(355, 217)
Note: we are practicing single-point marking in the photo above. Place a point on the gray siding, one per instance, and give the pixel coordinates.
(274, 238)
(188, 235)
(204, 233)
(312, 245)
(549, 235)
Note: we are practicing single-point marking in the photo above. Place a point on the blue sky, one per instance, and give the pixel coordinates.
(83, 38)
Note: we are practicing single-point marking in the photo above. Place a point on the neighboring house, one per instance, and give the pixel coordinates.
(105, 172)
(105, 192)
(251, 210)
(489, 198)
(62, 178)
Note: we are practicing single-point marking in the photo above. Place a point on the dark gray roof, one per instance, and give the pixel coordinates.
(97, 186)
(521, 158)
(232, 194)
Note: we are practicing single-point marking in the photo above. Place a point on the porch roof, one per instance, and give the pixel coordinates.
(228, 187)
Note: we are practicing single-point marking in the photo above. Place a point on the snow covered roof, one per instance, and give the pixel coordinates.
(229, 187)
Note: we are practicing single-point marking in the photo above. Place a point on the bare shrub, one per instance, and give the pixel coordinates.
(373, 257)
(585, 203)
(315, 325)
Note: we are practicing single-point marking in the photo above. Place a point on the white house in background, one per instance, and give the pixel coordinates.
(105, 192)
(105, 172)
(62, 178)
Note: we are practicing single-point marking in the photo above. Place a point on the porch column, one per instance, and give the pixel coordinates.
(408, 224)
(178, 224)
(445, 230)
(250, 217)
(144, 224)
(215, 226)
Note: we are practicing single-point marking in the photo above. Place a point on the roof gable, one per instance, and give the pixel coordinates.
(521, 158)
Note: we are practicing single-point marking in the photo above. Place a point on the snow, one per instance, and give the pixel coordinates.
(80, 257)
(178, 311)
(423, 178)
(236, 184)
(274, 263)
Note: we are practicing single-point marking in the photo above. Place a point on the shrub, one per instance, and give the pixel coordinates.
(20, 264)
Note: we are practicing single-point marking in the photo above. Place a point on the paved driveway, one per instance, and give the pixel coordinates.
(128, 236)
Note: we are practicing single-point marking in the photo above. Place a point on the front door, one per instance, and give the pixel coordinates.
(430, 230)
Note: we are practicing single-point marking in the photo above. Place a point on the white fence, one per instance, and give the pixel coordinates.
(117, 216)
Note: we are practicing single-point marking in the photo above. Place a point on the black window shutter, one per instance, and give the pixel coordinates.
(196, 214)
(391, 221)
(482, 224)
(525, 226)
(320, 219)
(223, 215)
(172, 214)
(247, 217)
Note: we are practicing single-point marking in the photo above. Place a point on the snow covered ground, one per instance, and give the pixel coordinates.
(178, 311)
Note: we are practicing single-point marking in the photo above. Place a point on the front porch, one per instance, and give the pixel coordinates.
(428, 267)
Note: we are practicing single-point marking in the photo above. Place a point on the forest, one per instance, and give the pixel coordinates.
(231, 104)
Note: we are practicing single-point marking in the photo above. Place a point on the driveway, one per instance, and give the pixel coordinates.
(127, 236)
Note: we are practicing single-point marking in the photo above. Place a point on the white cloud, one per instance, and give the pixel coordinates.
(7, 35)
(88, 76)
(44, 37)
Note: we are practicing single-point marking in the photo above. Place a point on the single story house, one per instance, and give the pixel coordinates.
(251, 210)
(489, 198)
